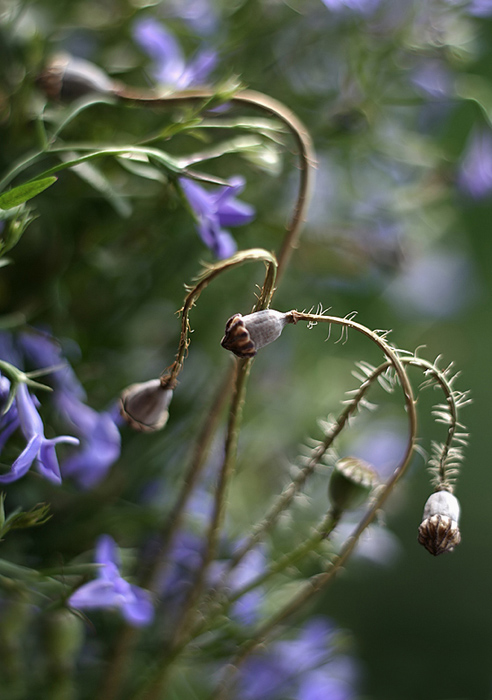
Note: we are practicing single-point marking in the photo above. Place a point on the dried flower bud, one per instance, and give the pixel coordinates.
(66, 78)
(245, 335)
(351, 482)
(144, 406)
(439, 531)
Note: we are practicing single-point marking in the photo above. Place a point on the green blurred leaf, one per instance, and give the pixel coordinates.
(22, 193)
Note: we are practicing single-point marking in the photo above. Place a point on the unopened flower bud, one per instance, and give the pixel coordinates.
(144, 406)
(245, 335)
(67, 78)
(439, 531)
(351, 483)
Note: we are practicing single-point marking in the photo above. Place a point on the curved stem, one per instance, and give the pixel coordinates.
(114, 675)
(265, 103)
(284, 499)
(211, 272)
(316, 583)
(447, 414)
(153, 687)
(321, 532)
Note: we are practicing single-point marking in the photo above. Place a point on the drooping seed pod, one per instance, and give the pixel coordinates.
(245, 335)
(144, 406)
(67, 78)
(351, 483)
(439, 531)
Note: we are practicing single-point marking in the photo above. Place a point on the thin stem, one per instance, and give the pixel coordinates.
(321, 532)
(115, 672)
(154, 687)
(449, 452)
(285, 498)
(316, 583)
(213, 271)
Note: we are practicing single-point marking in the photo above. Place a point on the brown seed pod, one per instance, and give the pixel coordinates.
(439, 531)
(439, 534)
(244, 335)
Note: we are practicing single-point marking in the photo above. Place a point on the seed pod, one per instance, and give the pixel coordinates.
(351, 483)
(439, 531)
(245, 335)
(144, 406)
(67, 78)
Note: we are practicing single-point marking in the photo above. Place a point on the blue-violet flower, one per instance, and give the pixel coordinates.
(100, 440)
(475, 173)
(110, 590)
(39, 448)
(169, 64)
(213, 210)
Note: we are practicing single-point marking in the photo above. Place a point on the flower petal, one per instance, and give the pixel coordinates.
(21, 465)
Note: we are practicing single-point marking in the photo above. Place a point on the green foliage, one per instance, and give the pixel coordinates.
(109, 249)
(22, 193)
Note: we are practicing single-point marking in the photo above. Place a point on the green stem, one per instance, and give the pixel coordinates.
(153, 688)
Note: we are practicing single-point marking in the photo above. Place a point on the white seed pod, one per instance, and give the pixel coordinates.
(144, 406)
(439, 531)
(245, 335)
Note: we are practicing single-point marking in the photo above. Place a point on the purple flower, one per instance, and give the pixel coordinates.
(247, 609)
(306, 668)
(100, 440)
(111, 591)
(213, 210)
(39, 448)
(199, 15)
(186, 558)
(475, 172)
(9, 422)
(480, 8)
(433, 78)
(170, 66)
(362, 6)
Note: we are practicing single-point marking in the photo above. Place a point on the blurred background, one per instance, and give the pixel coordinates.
(398, 98)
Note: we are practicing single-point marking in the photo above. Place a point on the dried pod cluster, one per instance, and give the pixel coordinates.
(439, 531)
(245, 335)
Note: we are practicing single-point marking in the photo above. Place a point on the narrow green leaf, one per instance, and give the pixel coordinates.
(19, 195)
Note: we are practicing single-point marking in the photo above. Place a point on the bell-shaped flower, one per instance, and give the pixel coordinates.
(170, 66)
(39, 449)
(216, 209)
(110, 590)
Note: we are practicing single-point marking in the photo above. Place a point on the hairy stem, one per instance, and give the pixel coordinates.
(318, 582)
(213, 271)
